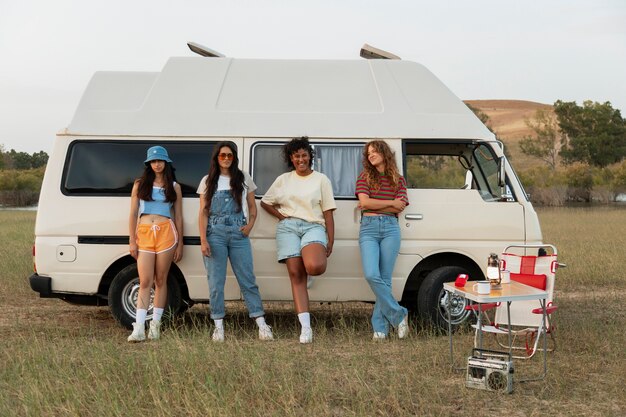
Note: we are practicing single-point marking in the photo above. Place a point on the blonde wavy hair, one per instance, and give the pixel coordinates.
(372, 177)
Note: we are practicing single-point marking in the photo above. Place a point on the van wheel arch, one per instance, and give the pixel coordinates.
(421, 281)
(123, 262)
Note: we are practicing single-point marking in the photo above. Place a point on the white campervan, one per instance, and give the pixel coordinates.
(456, 172)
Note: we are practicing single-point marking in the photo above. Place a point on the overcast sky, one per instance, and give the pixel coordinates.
(482, 49)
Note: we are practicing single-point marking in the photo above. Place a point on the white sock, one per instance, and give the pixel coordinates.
(157, 313)
(305, 319)
(219, 323)
(141, 316)
(260, 321)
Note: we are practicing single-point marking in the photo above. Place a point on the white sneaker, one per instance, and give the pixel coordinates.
(265, 332)
(154, 332)
(309, 281)
(379, 336)
(218, 334)
(403, 327)
(138, 334)
(306, 335)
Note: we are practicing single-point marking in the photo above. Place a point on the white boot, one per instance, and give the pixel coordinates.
(154, 332)
(138, 334)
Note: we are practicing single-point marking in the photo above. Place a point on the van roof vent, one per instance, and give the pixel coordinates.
(369, 52)
(204, 51)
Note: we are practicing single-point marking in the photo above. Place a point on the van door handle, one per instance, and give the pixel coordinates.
(413, 216)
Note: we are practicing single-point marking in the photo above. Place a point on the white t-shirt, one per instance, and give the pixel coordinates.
(306, 198)
(223, 183)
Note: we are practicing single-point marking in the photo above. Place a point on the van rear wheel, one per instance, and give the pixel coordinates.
(432, 300)
(123, 293)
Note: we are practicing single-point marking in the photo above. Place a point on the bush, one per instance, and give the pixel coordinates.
(20, 187)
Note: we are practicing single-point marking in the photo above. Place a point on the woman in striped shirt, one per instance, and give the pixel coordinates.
(382, 196)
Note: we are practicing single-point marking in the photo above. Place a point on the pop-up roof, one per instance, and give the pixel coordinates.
(227, 97)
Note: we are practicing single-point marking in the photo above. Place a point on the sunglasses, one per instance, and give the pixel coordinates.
(224, 156)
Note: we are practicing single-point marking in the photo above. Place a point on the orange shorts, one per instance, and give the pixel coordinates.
(156, 237)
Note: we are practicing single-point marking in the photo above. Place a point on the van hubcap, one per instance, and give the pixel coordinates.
(130, 294)
(458, 314)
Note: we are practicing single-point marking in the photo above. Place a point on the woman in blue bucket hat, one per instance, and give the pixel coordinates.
(155, 228)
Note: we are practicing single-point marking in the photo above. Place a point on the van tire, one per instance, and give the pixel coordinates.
(123, 296)
(432, 301)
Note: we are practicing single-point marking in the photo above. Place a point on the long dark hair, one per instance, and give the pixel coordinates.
(144, 191)
(236, 176)
(293, 146)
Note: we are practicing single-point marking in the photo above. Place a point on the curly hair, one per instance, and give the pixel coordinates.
(236, 176)
(293, 146)
(371, 174)
(144, 189)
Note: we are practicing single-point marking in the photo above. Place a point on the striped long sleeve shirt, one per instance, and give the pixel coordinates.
(385, 192)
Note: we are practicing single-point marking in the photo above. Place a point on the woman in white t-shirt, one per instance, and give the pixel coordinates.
(302, 200)
(227, 215)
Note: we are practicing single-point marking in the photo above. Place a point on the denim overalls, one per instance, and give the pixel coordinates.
(227, 241)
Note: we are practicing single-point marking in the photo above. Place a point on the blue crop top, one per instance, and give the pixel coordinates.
(158, 206)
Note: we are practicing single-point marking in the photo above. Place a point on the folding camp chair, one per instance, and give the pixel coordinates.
(526, 316)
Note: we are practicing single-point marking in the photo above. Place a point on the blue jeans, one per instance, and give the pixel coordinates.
(379, 241)
(226, 241)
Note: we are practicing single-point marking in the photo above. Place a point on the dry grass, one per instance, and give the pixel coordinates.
(63, 360)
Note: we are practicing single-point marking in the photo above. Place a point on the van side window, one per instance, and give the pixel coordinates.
(109, 168)
(452, 165)
(341, 163)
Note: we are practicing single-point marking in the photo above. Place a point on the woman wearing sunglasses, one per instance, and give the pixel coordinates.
(227, 215)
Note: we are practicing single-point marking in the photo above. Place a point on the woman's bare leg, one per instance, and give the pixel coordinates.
(297, 276)
(162, 269)
(314, 259)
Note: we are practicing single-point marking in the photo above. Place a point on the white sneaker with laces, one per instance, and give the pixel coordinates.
(218, 334)
(154, 332)
(306, 335)
(379, 336)
(265, 332)
(403, 327)
(138, 334)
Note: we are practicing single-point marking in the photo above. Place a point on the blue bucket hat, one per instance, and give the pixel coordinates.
(157, 153)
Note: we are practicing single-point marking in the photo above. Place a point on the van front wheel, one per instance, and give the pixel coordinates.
(124, 291)
(433, 301)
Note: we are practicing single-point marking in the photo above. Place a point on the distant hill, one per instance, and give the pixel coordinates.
(507, 119)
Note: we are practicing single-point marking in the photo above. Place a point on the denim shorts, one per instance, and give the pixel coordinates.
(292, 234)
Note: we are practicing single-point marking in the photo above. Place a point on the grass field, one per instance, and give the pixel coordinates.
(57, 359)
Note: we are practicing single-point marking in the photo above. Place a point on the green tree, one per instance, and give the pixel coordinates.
(545, 144)
(39, 159)
(594, 133)
(21, 160)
